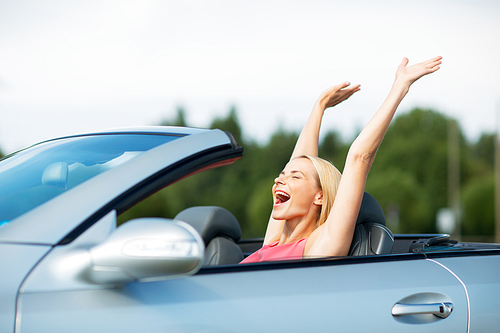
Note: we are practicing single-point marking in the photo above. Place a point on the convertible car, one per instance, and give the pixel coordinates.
(66, 266)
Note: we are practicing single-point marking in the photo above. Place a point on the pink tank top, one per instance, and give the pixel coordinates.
(274, 251)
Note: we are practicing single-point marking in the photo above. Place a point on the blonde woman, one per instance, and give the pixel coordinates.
(315, 208)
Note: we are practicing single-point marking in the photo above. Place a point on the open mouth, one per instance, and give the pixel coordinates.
(281, 197)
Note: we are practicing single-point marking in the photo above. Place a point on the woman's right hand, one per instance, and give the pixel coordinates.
(336, 94)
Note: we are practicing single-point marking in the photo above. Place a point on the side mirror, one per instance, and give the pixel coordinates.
(146, 249)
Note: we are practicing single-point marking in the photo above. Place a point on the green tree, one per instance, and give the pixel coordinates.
(478, 188)
(333, 149)
(484, 150)
(409, 176)
(478, 198)
(414, 149)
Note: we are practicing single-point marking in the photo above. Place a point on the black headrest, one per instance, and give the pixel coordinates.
(211, 221)
(370, 211)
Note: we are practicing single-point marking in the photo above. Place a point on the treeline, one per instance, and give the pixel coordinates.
(409, 177)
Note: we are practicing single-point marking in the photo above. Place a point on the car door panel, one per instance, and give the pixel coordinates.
(481, 277)
(345, 297)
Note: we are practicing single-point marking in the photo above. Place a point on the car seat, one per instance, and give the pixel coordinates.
(220, 231)
(371, 236)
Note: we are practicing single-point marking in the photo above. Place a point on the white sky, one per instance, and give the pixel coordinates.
(76, 66)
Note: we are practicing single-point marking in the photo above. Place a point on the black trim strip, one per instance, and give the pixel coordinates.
(462, 253)
(418, 236)
(334, 261)
(304, 263)
(156, 182)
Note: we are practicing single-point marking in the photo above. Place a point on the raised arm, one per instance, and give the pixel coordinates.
(368, 141)
(334, 237)
(307, 143)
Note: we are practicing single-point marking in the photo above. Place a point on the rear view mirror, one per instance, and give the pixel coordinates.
(56, 175)
(146, 249)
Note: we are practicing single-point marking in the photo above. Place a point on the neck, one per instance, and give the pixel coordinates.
(297, 228)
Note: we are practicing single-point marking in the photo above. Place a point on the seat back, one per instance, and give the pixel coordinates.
(220, 231)
(371, 236)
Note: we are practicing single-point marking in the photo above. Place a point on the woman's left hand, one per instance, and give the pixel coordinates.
(409, 74)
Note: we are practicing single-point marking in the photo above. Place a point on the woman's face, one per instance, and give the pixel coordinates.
(295, 192)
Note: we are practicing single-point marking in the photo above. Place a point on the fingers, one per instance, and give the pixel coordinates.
(356, 88)
(342, 85)
(434, 60)
(433, 69)
(347, 84)
(432, 65)
(429, 64)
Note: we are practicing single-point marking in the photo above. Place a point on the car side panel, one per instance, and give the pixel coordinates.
(481, 276)
(16, 261)
(344, 298)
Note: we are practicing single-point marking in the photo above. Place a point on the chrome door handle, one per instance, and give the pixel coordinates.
(441, 310)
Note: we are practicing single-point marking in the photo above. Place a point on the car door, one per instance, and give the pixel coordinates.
(479, 272)
(345, 295)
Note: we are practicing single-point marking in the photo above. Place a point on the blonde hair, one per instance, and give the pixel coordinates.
(327, 180)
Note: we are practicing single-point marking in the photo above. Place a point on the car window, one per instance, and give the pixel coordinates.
(169, 201)
(37, 174)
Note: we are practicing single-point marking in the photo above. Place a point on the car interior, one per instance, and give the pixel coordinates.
(221, 233)
(219, 230)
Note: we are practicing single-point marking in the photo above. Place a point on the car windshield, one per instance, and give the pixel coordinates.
(37, 174)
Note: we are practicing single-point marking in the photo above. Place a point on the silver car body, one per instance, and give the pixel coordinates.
(65, 267)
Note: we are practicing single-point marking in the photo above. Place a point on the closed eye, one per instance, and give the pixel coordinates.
(297, 174)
